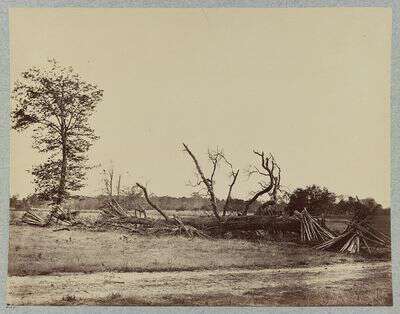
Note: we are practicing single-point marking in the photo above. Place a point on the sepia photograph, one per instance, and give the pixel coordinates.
(200, 157)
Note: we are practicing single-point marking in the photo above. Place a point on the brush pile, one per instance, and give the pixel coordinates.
(114, 216)
(310, 229)
(112, 209)
(357, 236)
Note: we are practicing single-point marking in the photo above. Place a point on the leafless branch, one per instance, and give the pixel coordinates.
(146, 195)
(108, 181)
(207, 182)
(234, 175)
(215, 158)
(272, 171)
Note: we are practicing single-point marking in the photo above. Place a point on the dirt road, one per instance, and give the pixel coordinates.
(356, 283)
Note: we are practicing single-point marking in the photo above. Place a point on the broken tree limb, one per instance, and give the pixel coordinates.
(146, 195)
(234, 175)
(207, 182)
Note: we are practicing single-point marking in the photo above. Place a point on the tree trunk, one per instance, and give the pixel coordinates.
(207, 182)
(146, 195)
(244, 223)
(63, 174)
(254, 198)
(231, 224)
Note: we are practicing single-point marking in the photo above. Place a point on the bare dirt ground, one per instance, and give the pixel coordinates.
(342, 284)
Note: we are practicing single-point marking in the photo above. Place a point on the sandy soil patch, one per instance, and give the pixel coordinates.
(357, 283)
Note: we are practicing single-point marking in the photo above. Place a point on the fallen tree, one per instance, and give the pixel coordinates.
(358, 235)
(212, 226)
(270, 185)
(115, 215)
(307, 228)
(217, 224)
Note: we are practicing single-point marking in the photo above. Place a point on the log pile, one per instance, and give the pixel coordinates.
(357, 236)
(56, 216)
(32, 218)
(310, 229)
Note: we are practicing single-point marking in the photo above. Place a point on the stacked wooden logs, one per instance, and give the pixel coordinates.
(32, 218)
(357, 236)
(310, 229)
(57, 215)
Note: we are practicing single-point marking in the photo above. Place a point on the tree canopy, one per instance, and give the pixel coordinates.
(314, 198)
(56, 104)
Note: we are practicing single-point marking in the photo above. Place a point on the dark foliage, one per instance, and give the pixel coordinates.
(359, 208)
(57, 104)
(315, 199)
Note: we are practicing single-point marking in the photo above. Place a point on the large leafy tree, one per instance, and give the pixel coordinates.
(56, 104)
(315, 199)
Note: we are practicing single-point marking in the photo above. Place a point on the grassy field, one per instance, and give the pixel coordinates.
(38, 251)
(220, 272)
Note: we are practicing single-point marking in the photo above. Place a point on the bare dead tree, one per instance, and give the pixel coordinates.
(146, 195)
(208, 182)
(233, 174)
(215, 157)
(119, 186)
(108, 180)
(270, 184)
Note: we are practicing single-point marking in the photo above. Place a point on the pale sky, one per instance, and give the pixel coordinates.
(310, 85)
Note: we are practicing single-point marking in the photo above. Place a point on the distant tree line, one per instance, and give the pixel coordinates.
(317, 200)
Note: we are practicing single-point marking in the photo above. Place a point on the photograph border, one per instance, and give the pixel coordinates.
(5, 149)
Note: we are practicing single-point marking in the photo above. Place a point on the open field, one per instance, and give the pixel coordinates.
(84, 267)
(39, 251)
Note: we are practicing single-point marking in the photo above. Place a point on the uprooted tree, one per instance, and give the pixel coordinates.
(359, 234)
(220, 223)
(57, 104)
(270, 185)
